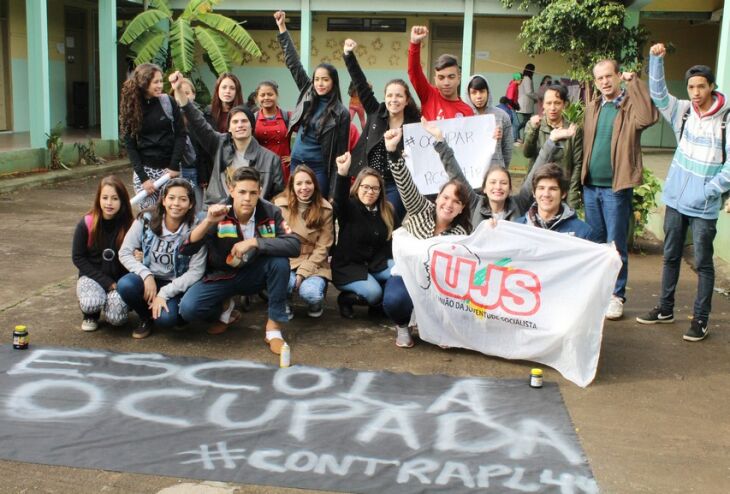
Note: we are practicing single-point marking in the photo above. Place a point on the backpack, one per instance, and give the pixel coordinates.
(723, 131)
(189, 155)
(88, 219)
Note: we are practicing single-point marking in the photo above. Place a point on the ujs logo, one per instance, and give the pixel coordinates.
(458, 273)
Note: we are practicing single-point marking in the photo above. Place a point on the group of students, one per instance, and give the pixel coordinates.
(266, 224)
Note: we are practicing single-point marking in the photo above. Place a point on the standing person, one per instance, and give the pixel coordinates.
(612, 164)
(310, 217)
(441, 100)
(154, 286)
(249, 245)
(449, 215)
(231, 150)
(698, 176)
(363, 257)
(526, 97)
(323, 122)
(192, 167)
(272, 124)
(479, 97)
(227, 94)
(511, 96)
(546, 82)
(355, 105)
(568, 152)
(152, 129)
(95, 252)
(397, 109)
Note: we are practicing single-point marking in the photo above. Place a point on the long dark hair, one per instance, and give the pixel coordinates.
(314, 215)
(462, 193)
(335, 98)
(216, 105)
(411, 112)
(123, 217)
(158, 210)
(134, 90)
(385, 207)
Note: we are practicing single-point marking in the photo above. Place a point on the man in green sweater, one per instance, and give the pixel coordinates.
(612, 165)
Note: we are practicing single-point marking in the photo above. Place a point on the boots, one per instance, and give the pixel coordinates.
(345, 301)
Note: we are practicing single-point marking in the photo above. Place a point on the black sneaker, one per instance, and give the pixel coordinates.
(697, 331)
(655, 316)
(143, 330)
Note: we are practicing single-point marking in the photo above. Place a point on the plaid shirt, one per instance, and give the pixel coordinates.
(616, 101)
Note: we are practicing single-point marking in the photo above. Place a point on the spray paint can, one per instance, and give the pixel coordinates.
(285, 356)
(536, 378)
(20, 338)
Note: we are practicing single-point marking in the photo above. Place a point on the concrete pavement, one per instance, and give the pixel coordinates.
(654, 420)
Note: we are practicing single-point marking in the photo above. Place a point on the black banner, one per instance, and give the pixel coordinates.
(307, 427)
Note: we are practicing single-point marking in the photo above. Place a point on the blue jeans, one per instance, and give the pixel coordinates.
(320, 171)
(131, 288)
(675, 233)
(393, 197)
(204, 300)
(515, 125)
(311, 290)
(608, 213)
(371, 288)
(522, 119)
(397, 304)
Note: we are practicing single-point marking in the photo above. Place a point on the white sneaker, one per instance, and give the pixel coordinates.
(403, 337)
(89, 324)
(615, 308)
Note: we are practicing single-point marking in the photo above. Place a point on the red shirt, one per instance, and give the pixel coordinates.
(433, 105)
(272, 134)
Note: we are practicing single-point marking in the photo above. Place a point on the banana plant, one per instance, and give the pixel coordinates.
(157, 36)
(573, 113)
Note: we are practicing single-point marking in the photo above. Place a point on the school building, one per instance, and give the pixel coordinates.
(60, 62)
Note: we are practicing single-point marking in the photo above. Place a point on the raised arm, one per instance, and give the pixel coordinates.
(198, 126)
(451, 165)
(415, 71)
(342, 188)
(645, 113)
(412, 199)
(291, 57)
(670, 107)
(364, 91)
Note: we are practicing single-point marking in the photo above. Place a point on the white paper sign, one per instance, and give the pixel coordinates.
(514, 291)
(471, 138)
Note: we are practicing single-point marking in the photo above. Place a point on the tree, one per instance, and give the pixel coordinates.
(156, 36)
(582, 32)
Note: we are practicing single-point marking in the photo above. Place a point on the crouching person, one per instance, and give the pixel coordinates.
(249, 245)
(156, 282)
(550, 211)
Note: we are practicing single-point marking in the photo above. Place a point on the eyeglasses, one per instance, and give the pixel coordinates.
(370, 188)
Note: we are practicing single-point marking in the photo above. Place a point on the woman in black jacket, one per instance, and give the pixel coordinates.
(362, 258)
(152, 129)
(95, 252)
(321, 120)
(397, 109)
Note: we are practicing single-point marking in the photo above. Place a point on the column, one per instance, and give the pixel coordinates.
(108, 92)
(305, 36)
(467, 42)
(723, 66)
(39, 101)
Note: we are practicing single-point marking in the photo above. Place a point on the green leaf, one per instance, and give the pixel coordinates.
(161, 5)
(182, 45)
(140, 24)
(150, 48)
(233, 30)
(195, 7)
(215, 46)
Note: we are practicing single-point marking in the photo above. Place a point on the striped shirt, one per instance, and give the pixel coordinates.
(421, 219)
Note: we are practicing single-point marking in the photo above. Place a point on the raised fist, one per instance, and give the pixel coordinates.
(418, 33)
(350, 45)
(658, 50)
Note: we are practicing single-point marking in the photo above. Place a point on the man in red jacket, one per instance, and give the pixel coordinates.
(442, 100)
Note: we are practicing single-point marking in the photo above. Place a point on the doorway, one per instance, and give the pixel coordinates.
(446, 37)
(77, 68)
